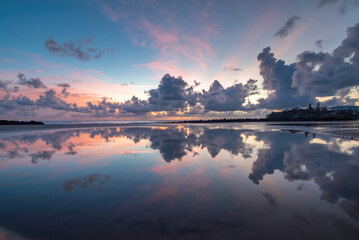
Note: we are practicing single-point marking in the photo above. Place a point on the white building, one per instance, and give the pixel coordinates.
(344, 108)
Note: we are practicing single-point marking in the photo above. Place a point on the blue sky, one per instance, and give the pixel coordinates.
(141, 41)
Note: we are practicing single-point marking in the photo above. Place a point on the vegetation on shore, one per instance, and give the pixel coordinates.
(312, 114)
(6, 122)
(296, 114)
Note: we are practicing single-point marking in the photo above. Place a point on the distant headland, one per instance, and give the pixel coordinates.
(6, 122)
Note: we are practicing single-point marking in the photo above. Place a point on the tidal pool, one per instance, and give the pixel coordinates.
(178, 182)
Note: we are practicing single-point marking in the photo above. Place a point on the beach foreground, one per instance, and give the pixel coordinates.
(180, 181)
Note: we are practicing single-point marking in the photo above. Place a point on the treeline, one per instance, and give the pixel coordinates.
(223, 120)
(296, 114)
(312, 114)
(6, 122)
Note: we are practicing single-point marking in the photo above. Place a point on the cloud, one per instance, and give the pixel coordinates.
(343, 7)
(171, 94)
(227, 139)
(8, 90)
(322, 3)
(232, 69)
(114, 14)
(44, 155)
(76, 50)
(64, 85)
(271, 200)
(271, 158)
(287, 86)
(277, 78)
(172, 143)
(319, 43)
(335, 172)
(136, 106)
(64, 91)
(31, 82)
(288, 26)
(323, 74)
(50, 100)
(71, 149)
(93, 181)
(218, 98)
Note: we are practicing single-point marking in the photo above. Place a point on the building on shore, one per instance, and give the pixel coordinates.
(345, 108)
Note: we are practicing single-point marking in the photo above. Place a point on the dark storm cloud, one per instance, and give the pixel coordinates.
(218, 98)
(71, 49)
(30, 82)
(232, 69)
(323, 74)
(288, 26)
(277, 78)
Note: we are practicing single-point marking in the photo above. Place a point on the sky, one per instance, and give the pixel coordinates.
(157, 59)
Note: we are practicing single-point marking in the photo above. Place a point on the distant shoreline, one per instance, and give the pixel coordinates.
(11, 122)
(260, 120)
(224, 120)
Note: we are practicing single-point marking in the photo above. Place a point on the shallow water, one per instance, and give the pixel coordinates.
(220, 181)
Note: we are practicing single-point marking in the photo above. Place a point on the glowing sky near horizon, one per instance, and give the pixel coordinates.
(140, 41)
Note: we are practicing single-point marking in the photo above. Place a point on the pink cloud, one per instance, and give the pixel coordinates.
(175, 43)
(109, 12)
(161, 36)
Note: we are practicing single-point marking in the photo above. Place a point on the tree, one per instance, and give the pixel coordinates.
(317, 107)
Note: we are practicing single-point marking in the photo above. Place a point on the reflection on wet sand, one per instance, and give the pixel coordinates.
(198, 189)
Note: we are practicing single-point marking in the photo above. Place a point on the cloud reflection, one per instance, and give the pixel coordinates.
(331, 163)
(93, 181)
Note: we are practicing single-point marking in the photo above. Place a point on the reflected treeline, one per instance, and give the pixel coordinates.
(333, 164)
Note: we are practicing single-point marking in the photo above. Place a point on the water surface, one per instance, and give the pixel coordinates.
(223, 181)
